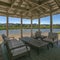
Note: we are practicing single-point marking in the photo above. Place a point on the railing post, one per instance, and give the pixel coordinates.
(7, 25)
(50, 20)
(21, 28)
(31, 27)
(39, 24)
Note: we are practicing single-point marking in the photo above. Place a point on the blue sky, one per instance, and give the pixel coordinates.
(45, 20)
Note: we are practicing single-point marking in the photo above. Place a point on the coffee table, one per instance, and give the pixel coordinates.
(35, 43)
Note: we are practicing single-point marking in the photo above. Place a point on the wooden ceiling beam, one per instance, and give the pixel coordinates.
(3, 9)
(12, 4)
(57, 2)
(10, 1)
(41, 10)
(52, 11)
(5, 4)
(41, 14)
(10, 14)
(46, 5)
(45, 2)
(46, 13)
(18, 7)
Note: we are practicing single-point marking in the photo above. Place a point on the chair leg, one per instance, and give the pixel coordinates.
(57, 42)
(29, 55)
(48, 46)
(51, 44)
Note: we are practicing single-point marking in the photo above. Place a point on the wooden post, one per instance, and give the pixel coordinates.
(31, 28)
(39, 24)
(21, 28)
(50, 21)
(7, 25)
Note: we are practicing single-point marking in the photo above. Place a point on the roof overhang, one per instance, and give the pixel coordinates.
(29, 8)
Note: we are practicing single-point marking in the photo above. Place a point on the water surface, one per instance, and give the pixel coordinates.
(17, 31)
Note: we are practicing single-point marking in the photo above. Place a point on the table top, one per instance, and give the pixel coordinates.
(34, 42)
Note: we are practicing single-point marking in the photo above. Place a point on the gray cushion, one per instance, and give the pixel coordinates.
(38, 34)
(19, 50)
(14, 43)
(5, 38)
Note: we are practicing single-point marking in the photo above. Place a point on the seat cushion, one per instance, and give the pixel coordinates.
(37, 34)
(50, 40)
(14, 43)
(5, 38)
(20, 51)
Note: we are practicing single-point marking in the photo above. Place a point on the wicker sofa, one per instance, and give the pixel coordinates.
(15, 48)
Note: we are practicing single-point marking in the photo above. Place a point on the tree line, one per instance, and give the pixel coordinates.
(27, 26)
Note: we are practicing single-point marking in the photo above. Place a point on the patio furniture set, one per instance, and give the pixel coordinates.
(17, 48)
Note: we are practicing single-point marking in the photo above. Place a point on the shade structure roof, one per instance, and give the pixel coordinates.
(29, 8)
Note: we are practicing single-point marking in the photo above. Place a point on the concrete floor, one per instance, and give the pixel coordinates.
(45, 54)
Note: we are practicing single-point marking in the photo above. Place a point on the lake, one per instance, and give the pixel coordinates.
(17, 31)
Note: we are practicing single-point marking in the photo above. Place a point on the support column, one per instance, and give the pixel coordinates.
(21, 28)
(51, 22)
(7, 25)
(31, 28)
(39, 24)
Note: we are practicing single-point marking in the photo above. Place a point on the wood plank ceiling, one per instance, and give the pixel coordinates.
(29, 8)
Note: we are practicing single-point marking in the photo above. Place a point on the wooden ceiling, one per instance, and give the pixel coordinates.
(29, 8)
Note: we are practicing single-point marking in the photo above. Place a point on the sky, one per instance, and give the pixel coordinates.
(45, 20)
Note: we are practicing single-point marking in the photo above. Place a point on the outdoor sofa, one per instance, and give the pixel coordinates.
(15, 49)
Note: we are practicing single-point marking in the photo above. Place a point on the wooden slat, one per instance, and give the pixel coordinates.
(57, 2)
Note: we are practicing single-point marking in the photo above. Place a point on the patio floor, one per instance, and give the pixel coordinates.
(45, 54)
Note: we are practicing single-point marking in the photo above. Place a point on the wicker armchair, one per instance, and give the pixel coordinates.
(38, 35)
(52, 38)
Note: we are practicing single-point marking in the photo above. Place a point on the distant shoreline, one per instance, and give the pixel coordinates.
(28, 28)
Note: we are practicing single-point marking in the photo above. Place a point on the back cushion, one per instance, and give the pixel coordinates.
(37, 34)
(54, 35)
(5, 38)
